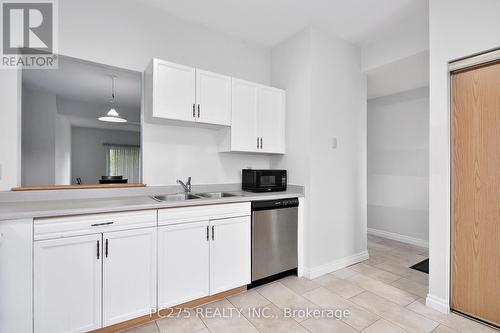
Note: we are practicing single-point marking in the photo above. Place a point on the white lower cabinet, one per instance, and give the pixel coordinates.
(202, 258)
(183, 263)
(103, 277)
(129, 274)
(111, 273)
(202, 251)
(67, 284)
(230, 251)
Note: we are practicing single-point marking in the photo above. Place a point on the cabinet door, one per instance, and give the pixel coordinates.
(174, 91)
(213, 98)
(183, 263)
(271, 120)
(129, 274)
(229, 254)
(244, 116)
(67, 284)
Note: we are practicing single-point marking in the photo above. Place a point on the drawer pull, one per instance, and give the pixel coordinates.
(100, 224)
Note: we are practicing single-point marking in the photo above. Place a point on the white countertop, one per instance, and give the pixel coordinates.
(63, 207)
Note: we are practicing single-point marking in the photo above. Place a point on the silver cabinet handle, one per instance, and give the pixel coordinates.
(198, 110)
(257, 142)
(101, 224)
(98, 249)
(213, 233)
(260, 142)
(208, 237)
(194, 110)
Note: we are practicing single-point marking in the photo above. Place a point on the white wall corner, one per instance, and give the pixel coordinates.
(399, 237)
(436, 303)
(314, 272)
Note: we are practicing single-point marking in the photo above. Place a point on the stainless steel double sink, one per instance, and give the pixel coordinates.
(191, 196)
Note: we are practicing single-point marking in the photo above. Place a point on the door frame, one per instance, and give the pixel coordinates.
(456, 66)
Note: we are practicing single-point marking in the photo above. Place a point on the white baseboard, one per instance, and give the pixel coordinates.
(437, 303)
(312, 273)
(399, 237)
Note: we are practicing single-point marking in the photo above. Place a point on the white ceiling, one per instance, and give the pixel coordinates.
(83, 81)
(269, 22)
(402, 75)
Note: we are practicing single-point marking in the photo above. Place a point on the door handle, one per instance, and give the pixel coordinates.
(98, 250)
(100, 224)
(106, 251)
(257, 142)
(213, 233)
(208, 237)
(260, 142)
(198, 110)
(194, 110)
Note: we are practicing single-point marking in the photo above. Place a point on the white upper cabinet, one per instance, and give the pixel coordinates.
(253, 114)
(244, 116)
(213, 98)
(258, 119)
(271, 120)
(173, 91)
(181, 93)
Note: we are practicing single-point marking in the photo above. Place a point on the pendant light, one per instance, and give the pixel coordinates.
(112, 116)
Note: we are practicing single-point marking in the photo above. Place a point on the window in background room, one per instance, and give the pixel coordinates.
(124, 160)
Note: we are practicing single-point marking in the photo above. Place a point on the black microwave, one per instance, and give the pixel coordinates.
(263, 180)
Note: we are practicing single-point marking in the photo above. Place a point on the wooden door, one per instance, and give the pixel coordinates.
(244, 116)
(67, 284)
(213, 98)
(271, 120)
(183, 263)
(174, 91)
(476, 192)
(230, 262)
(129, 274)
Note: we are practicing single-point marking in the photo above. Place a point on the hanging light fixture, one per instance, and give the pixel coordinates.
(113, 116)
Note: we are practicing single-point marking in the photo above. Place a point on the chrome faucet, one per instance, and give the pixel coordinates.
(186, 186)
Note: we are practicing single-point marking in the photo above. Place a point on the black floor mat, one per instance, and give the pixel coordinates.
(422, 266)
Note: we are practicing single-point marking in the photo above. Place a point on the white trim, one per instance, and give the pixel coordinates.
(399, 237)
(300, 237)
(312, 273)
(474, 60)
(436, 303)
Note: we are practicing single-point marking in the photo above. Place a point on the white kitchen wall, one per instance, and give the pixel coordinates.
(10, 129)
(137, 34)
(63, 150)
(39, 140)
(337, 200)
(398, 163)
(326, 100)
(458, 28)
(291, 70)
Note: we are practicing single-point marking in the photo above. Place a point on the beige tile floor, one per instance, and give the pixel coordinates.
(382, 294)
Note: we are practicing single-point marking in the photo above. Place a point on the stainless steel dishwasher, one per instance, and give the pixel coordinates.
(274, 237)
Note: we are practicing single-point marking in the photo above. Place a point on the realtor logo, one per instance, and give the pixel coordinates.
(28, 31)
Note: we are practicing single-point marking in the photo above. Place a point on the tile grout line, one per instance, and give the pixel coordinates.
(247, 319)
(404, 307)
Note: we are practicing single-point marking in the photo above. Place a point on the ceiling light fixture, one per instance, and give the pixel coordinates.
(112, 116)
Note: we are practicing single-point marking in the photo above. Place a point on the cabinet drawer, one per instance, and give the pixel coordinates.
(56, 227)
(209, 212)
